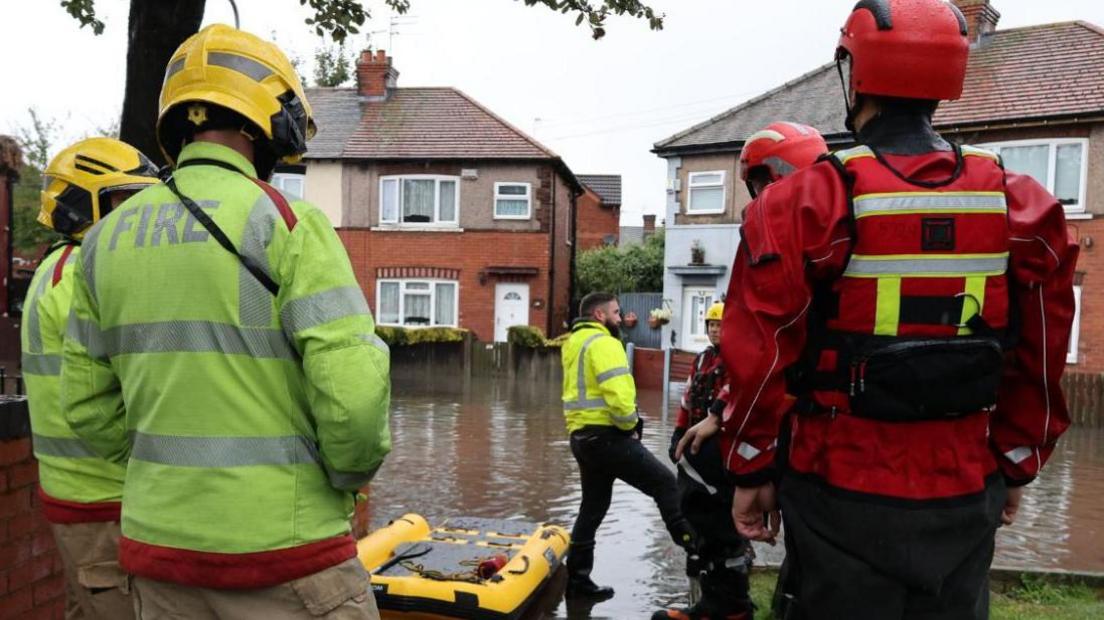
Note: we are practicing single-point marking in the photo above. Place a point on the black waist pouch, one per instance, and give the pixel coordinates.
(932, 379)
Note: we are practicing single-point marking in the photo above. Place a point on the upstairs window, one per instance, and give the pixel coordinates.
(707, 192)
(1060, 165)
(419, 200)
(513, 201)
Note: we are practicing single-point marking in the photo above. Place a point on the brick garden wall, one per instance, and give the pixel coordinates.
(31, 583)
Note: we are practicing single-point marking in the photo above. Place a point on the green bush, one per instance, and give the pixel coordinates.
(631, 269)
(404, 336)
(532, 337)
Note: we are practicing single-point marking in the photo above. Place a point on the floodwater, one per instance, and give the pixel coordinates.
(499, 449)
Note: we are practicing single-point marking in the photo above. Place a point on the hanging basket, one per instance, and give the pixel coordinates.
(630, 320)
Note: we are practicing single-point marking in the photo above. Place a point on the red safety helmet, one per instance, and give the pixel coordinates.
(913, 49)
(780, 148)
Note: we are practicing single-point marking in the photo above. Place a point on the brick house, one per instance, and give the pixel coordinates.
(599, 211)
(1033, 94)
(451, 215)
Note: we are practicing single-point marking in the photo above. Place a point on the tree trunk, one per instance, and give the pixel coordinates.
(157, 28)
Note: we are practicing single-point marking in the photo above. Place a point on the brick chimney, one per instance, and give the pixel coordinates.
(649, 224)
(376, 78)
(981, 18)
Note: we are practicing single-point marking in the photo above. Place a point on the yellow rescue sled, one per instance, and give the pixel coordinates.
(467, 567)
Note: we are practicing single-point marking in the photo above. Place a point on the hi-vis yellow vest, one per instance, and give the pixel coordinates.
(598, 388)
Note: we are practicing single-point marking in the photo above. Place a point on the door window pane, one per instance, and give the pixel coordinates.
(389, 303)
(417, 198)
(1067, 174)
(448, 201)
(1031, 160)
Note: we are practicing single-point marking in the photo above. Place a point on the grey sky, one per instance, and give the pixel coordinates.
(599, 104)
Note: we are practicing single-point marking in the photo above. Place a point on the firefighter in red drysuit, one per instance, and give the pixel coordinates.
(723, 557)
(917, 299)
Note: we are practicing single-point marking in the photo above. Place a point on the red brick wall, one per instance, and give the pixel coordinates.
(31, 581)
(564, 250)
(595, 222)
(1090, 268)
(468, 252)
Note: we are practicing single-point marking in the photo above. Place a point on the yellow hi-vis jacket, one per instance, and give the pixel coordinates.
(598, 388)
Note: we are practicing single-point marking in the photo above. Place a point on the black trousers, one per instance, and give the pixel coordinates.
(605, 454)
(858, 557)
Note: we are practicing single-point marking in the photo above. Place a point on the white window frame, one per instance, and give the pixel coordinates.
(691, 186)
(528, 197)
(437, 221)
(1075, 329)
(278, 179)
(1052, 159)
(402, 282)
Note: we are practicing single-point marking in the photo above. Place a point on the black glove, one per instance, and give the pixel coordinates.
(717, 408)
(638, 430)
(676, 437)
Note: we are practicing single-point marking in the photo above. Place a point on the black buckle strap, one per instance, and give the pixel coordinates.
(221, 237)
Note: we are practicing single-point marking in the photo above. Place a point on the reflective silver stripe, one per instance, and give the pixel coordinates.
(68, 447)
(630, 418)
(1017, 455)
(197, 337)
(780, 166)
(575, 405)
(89, 248)
(349, 481)
(255, 303)
(935, 202)
(853, 152)
(991, 264)
(581, 401)
(616, 372)
(89, 336)
(174, 67)
(183, 451)
(320, 308)
(241, 64)
(747, 451)
(41, 364)
(34, 327)
(689, 470)
(376, 342)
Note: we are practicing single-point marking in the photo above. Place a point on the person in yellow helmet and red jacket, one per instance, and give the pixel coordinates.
(917, 300)
(80, 491)
(221, 349)
(720, 569)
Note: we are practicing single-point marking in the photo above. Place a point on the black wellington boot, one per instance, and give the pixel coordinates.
(580, 561)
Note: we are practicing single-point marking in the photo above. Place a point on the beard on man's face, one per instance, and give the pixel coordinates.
(614, 329)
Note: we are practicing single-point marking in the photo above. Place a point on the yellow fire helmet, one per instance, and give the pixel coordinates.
(222, 68)
(77, 181)
(714, 312)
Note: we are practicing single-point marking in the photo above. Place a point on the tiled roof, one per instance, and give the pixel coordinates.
(1046, 71)
(607, 186)
(414, 123)
(1037, 71)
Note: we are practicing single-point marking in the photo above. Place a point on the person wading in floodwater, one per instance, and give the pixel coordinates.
(917, 300)
(599, 401)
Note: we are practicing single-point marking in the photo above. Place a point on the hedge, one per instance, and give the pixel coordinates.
(404, 336)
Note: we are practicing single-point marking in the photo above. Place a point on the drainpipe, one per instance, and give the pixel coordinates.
(574, 214)
(550, 305)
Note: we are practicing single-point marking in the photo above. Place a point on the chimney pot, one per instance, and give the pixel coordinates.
(649, 223)
(375, 76)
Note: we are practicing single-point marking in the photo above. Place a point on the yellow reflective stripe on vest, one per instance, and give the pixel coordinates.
(973, 151)
(925, 265)
(973, 303)
(581, 401)
(887, 312)
(855, 152)
(906, 203)
(189, 451)
(68, 447)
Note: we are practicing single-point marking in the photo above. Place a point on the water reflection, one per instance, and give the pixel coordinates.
(499, 449)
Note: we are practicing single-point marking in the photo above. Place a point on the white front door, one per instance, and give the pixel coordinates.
(511, 308)
(695, 301)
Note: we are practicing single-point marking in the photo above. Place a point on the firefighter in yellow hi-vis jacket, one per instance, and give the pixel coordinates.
(599, 400)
